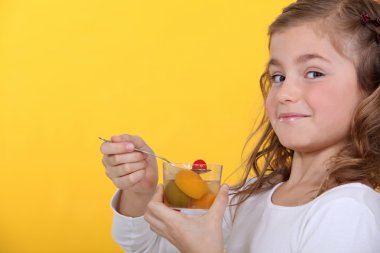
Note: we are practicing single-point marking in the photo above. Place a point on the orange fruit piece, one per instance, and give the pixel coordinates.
(191, 184)
(205, 202)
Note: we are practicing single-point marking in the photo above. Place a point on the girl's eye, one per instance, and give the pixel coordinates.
(278, 78)
(313, 74)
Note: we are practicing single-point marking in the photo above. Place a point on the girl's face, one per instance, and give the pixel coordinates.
(314, 90)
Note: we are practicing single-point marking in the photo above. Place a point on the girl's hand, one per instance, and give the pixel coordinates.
(127, 169)
(189, 233)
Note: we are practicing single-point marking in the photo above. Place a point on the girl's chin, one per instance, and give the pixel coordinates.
(300, 147)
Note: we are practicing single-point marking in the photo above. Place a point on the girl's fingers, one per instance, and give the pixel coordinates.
(220, 203)
(159, 227)
(129, 180)
(158, 209)
(137, 140)
(111, 148)
(125, 169)
(113, 160)
(161, 218)
(155, 224)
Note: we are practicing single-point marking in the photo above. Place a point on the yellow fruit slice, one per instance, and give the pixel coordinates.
(205, 202)
(191, 184)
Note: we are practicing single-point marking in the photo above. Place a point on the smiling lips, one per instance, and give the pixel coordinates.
(292, 116)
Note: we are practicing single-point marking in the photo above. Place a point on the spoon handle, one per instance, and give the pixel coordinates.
(142, 151)
(151, 154)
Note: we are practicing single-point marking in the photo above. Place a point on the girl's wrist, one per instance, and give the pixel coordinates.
(133, 204)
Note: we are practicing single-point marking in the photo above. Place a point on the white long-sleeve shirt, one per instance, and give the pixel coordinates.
(345, 219)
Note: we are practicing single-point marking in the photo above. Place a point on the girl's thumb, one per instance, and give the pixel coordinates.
(220, 203)
(158, 196)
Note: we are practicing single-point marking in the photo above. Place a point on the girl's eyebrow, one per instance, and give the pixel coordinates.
(300, 59)
(307, 57)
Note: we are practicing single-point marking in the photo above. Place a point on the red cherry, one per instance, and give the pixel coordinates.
(199, 165)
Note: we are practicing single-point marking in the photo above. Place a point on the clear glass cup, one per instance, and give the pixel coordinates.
(185, 188)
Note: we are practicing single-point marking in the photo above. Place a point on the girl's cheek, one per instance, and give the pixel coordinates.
(270, 106)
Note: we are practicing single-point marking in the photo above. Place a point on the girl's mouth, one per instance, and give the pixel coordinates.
(291, 116)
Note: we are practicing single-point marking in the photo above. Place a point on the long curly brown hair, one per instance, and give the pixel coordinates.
(359, 160)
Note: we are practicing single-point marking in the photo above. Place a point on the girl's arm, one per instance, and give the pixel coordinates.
(133, 234)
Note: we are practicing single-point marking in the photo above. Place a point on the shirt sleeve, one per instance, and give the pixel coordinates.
(134, 235)
(341, 226)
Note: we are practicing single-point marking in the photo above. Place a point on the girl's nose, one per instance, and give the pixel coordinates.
(288, 91)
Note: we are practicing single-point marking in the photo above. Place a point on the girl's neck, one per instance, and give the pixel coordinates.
(311, 168)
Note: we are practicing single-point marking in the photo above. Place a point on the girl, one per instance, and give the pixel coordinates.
(320, 146)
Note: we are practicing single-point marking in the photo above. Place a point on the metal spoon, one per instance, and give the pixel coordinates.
(143, 151)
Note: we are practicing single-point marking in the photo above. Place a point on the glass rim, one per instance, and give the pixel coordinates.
(208, 164)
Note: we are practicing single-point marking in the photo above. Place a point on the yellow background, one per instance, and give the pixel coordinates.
(181, 74)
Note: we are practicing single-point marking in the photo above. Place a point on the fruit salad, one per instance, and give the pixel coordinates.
(191, 185)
